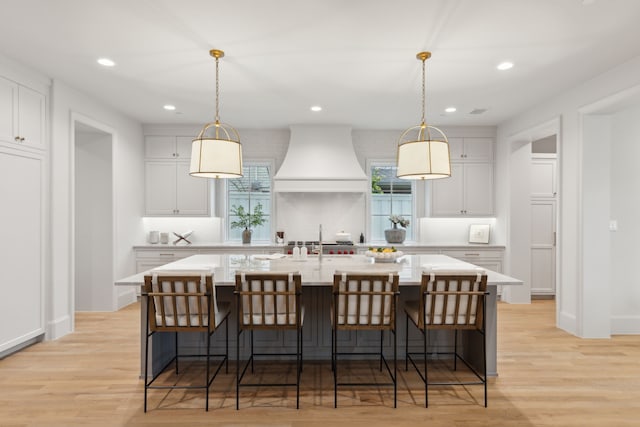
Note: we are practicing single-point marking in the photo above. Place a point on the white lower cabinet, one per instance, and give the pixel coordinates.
(490, 259)
(170, 190)
(146, 259)
(22, 190)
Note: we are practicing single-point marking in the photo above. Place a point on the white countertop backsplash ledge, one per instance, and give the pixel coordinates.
(209, 232)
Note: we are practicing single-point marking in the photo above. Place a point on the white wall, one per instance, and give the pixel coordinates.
(572, 188)
(594, 303)
(625, 209)
(128, 185)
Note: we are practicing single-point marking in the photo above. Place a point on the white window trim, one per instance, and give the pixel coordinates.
(222, 201)
(418, 190)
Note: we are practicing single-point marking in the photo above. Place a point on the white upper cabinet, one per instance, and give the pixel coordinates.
(169, 189)
(22, 115)
(8, 113)
(168, 147)
(469, 190)
(448, 193)
(471, 149)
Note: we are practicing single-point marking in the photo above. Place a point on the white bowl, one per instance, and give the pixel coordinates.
(384, 256)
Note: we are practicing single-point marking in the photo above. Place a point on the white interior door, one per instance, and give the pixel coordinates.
(543, 247)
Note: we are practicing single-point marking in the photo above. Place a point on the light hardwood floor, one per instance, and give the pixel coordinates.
(547, 378)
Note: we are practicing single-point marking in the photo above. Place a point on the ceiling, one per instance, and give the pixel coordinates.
(355, 58)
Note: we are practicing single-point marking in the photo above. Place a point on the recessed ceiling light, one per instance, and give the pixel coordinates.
(505, 66)
(316, 108)
(106, 62)
(450, 109)
(169, 107)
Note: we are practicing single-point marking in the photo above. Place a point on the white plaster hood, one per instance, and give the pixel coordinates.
(320, 159)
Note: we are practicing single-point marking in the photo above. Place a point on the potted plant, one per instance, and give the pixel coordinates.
(395, 234)
(247, 220)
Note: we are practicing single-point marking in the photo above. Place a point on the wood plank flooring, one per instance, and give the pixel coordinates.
(547, 378)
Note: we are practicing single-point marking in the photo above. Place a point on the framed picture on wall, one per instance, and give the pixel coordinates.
(479, 233)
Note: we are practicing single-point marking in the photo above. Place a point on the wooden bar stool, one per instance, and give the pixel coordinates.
(449, 300)
(268, 301)
(364, 301)
(181, 303)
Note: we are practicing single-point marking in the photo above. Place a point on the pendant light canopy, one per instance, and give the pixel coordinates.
(216, 152)
(423, 150)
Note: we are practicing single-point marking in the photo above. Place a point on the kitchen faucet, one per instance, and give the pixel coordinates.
(320, 242)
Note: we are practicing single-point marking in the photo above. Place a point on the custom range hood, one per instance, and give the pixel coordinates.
(320, 159)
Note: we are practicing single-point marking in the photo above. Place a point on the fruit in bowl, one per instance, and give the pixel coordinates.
(384, 254)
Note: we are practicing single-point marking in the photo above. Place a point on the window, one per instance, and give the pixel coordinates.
(389, 196)
(253, 189)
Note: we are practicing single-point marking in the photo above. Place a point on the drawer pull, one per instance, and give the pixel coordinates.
(472, 254)
(167, 254)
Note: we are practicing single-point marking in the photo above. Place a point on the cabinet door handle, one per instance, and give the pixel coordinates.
(472, 254)
(167, 254)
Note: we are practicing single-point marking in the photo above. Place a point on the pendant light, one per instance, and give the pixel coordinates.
(423, 150)
(216, 152)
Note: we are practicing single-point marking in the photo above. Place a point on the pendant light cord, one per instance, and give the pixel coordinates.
(217, 91)
(424, 101)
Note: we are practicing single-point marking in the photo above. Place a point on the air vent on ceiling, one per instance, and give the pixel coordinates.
(478, 111)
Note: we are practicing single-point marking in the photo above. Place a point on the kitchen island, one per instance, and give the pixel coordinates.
(317, 278)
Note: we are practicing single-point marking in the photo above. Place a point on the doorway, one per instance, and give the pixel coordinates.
(534, 206)
(544, 193)
(93, 218)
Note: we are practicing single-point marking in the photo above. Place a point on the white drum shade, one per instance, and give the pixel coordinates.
(423, 160)
(216, 158)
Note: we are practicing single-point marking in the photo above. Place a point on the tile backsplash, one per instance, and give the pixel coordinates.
(205, 229)
(452, 230)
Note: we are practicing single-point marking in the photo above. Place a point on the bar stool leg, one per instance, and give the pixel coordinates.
(395, 368)
(406, 342)
(238, 368)
(426, 380)
(381, 348)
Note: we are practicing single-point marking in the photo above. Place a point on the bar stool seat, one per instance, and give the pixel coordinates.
(268, 301)
(364, 301)
(449, 300)
(181, 302)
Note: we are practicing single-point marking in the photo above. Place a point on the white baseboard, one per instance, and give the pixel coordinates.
(625, 325)
(126, 298)
(567, 322)
(59, 327)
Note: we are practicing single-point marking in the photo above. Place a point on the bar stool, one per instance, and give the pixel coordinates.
(268, 301)
(364, 301)
(181, 302)
(449, 300)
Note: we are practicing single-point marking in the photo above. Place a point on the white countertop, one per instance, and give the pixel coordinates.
(316, 271)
